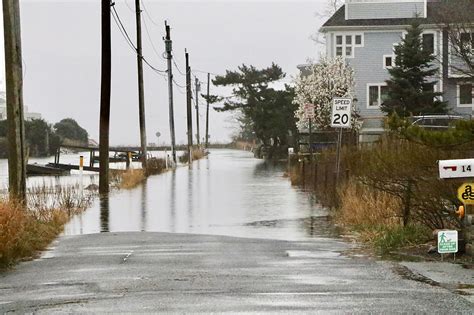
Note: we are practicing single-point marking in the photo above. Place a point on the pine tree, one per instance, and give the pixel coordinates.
(410, 90)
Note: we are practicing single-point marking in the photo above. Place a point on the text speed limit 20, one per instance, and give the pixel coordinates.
(341, 113)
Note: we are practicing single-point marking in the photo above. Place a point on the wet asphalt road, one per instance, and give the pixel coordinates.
(184, 273)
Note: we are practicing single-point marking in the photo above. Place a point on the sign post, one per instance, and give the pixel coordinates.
(456, 168)
(340, 118)
(453, 169)
(447, 242)
(466, 193)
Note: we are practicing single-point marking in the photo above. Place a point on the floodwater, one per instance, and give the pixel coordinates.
(229, 193)
(76, 178)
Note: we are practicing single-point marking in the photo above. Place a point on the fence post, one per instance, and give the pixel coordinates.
(326, 176)
(304, 174)
(315, 176)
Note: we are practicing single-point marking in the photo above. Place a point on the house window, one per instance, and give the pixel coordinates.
(428, 42)
(376, 94)
(345, 44)
(339, 45)
(388, 61)
(465, 94)
(348, 45)
(467, 40)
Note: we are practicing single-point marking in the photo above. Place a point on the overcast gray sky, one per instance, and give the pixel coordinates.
(61, 52)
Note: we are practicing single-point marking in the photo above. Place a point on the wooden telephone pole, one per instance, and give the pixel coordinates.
(14, 85)
(198, 88)
(141, 97)
(207, 111)
(189, 107)
(169, 56)
(105, 100)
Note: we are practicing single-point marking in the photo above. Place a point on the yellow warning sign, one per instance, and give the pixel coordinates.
(466, 193)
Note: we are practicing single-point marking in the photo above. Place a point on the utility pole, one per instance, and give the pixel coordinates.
(207, 110)
(141, 97)
(105, 100)
(14, 85)
(188, 107)
(169, 56)
(198, 88)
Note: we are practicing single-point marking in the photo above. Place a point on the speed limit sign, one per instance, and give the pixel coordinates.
(341, 112)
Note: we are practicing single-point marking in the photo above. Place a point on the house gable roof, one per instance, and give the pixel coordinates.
(339, 20)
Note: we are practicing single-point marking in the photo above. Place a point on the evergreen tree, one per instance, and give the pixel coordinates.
(410, 90)
(266, 112)
(68, 128)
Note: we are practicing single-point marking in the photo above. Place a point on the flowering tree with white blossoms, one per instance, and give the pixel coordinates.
(329, 78)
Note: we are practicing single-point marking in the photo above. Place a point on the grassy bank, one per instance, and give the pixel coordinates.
(196, 154)
(131, 178)
(27, 229)
(374, 217)
(388, 193)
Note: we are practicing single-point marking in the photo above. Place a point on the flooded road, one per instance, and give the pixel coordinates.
(229, 193)
(282, 261)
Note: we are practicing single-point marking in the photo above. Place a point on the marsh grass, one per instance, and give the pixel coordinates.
(196, 153)
(155, 166)
(362, 205)
(131, 178)
(375, 216)
(27, 229)
(70, 199)
(385, 239)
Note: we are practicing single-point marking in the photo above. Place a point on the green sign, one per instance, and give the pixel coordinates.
(447, 241)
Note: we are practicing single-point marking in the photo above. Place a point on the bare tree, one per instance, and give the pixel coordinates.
(456, 19)
(331, 7)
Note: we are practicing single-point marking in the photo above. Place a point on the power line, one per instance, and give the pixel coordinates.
(177, 68)
(122, 29)
(129, 7)
(124, 32)
(148, 14)
(151, 41)
(206, 72)
(181, 86)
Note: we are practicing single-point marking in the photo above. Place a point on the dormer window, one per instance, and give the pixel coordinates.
(345, 44)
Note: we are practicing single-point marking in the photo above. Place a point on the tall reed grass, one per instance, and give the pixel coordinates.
(132, 178)
(196, 154)
(28, 228)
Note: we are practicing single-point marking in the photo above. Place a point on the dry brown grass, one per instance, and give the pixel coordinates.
(131, 178)
(27, 229)
(295, 175)
(155, 166)
(196, 153)
(24, 232)
(70, 199)
(361, 205)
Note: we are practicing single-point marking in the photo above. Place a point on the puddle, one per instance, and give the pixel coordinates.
(321, 226)
(459, 288)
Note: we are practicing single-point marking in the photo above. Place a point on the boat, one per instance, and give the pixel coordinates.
(45, 170)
